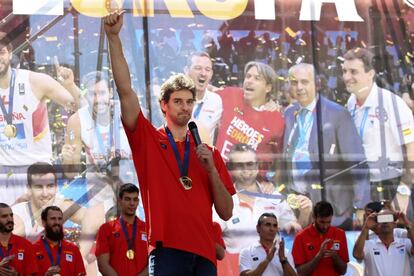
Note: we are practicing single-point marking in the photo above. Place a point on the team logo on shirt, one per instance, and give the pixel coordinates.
(116, 235)
(20, 256)
(39, 257)
(69, 257)
(163, 146)
(255, 258)
(335, 246)
(311, 247)
(21, 89)
(235, 220)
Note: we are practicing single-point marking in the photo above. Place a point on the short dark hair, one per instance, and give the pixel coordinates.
(266, 71)
(363, 55)
(41, 168)
(4, 205)
(6, 41)
(45, 211)
(262, 216)
(127, 188)
(176, 83)
(197, 54)
(322, 209)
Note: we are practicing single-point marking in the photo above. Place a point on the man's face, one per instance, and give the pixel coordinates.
(201, 72)
(6, 220)
(322, 224)
(99, 98)
(179, 108)
(268, 229)
(356, 80)
(5, 57)
(302, 81)
(129, 203)
(255, 87)
(243, 167)
(54, 225)
(43, 189)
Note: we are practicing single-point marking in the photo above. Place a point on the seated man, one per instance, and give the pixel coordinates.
(258, 258)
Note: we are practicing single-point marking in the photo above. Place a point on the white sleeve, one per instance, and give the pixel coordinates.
(245, 262)
(406, 122)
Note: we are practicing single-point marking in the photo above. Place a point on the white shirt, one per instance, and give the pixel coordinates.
(240, 230)
(387, 262)
(250, 257)
(210, 113)
(368, 125)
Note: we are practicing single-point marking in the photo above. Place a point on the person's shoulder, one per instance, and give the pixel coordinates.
(20, 241)
(69, 245)
(337, 231)
(109, 225)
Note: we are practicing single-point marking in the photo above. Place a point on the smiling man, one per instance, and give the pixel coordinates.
(384, 122)
(208, 106)
(250, 116)
(342, 148)
(43, 192)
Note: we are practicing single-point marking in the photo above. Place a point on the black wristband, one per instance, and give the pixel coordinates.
(284, 261)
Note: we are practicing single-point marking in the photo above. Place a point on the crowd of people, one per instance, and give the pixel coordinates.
(273, 154)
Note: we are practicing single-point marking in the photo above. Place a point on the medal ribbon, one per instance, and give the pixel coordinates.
(9, 246)
(183, 167)
(49, 253)
(197, 110)
(131, 241)
(9, 115)
(363, 121)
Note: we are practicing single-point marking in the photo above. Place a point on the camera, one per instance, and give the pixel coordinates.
(385, 218)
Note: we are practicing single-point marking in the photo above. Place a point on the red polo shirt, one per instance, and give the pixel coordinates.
(308, 242)
(179, 218)
(111, 239)
(24, 260)
(71, 262)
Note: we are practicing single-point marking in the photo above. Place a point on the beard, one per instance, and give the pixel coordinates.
(7, 227)
(53, 234)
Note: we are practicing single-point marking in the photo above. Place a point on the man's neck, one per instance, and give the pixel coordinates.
(386, 239)
(52, 242)
(128, 218)
(363, 95)
(5, 80)
(266, 243)
(4, 237)
(250, 187)
(179, 132)
(257, 103)
(200, 95)
(102, 120)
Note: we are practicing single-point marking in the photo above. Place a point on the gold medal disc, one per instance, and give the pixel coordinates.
(10, 131)
(130, 254)
(293, 201)
(186, 182)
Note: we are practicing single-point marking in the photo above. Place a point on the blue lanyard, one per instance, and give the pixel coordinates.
(9, 115)
(183, 167)
(363, 121)
(49, 253)
(100, 142)
(9, 246)
(197, 110)
(303, 126)
(131, 241)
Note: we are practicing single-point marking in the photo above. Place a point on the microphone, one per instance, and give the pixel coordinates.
(194, 132)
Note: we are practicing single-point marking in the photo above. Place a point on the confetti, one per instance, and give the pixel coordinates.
(25, 108)
(50, 38)
(290, 32)
(10, 173)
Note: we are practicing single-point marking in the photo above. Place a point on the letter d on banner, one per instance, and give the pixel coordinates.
(44, 7)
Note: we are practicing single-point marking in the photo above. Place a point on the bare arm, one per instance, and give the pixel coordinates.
(104, 267)
(71, 150)
(130, 107)
(220, 252)
(223, 203)
(358, 251)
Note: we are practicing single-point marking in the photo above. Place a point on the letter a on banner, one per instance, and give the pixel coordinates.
(43, 7)
(346, 9)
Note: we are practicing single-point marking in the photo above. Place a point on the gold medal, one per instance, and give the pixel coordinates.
(293, 201)
(10, 131)
(130, 254)
(186, 182)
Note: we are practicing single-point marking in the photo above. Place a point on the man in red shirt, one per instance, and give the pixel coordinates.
(121, 245)
(16, 253)
(55, 255)
(179, 182)
(321, 249)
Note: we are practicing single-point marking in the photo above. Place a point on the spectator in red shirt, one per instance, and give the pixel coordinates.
(16, 253)
(321, 249)
(54, 254)
(121, 245)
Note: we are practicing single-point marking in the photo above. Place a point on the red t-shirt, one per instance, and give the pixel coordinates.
(242, 124)
(71, 262)
(308, 242)
(111, 239)
(179, 218)
(24, 260)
